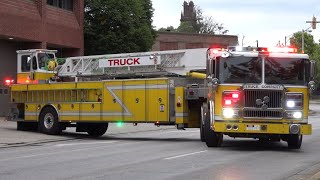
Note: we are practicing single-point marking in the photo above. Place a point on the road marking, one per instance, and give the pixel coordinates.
(46, 154)
(183, 155)
(89, 143)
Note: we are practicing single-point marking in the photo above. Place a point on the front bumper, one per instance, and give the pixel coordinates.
(259, 128)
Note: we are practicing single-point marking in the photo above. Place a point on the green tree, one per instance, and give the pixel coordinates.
(309, 44)
(118, 26)
(206, 24)
(310, 47)
(202, 24)
(186, 27)
(168, 29)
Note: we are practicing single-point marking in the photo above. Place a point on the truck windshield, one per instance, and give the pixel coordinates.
(43, 59)
(286, 71)
(239, 69)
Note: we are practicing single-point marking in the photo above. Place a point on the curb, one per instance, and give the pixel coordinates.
(315, 177)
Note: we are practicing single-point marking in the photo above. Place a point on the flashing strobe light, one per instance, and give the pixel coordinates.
(235, 95)
(9, 81)
(216, 50)
(283, 50)
(227, 102)
(231, 98)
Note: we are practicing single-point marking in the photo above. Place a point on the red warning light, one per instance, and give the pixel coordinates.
(8, 82)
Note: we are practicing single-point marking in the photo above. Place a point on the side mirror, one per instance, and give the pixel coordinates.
(312, 85)
(312, 69)
(215, 81)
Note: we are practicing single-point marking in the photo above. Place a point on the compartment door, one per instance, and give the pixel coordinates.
(134, 98)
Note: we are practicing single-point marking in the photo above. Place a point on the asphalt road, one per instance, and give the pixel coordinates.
(161, 154)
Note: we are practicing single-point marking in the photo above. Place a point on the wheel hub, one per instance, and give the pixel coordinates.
(48, 120)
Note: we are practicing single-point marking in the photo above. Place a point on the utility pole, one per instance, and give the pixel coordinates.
(302, 44)
(285, 41)
(242, 40)
(257, 43)
(313, 22)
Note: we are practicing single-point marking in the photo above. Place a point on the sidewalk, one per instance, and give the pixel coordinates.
(10, 137)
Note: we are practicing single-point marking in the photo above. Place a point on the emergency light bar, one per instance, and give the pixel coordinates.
(255, 49)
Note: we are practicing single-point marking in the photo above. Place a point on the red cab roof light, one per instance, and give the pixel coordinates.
(283, 50)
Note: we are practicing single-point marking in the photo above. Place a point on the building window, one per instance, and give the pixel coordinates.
(64, 4)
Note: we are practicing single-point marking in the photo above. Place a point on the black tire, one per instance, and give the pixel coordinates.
(49, 121)
(97, 130)
(21, 126)
(27, 126)
(294, 141)
(212, 138)
(204, 110)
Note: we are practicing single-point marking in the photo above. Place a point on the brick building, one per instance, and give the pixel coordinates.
(31, 24)
(173, 40)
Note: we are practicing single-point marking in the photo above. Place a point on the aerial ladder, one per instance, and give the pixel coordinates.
(132, 65)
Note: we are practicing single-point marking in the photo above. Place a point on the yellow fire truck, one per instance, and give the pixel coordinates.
(240, 92)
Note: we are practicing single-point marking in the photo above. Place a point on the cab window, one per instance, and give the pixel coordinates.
(43, 59)
(25, 63)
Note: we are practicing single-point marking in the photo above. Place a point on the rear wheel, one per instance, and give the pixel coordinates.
(97, 130)
(49, 122)
(294, 141)
(27, 126)
(212, 138)
(21, 126)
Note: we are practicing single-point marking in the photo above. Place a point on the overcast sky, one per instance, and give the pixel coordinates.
(265, 20)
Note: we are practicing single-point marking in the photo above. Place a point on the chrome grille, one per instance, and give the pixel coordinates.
(251, 96)
(252, 109)
(262, 114)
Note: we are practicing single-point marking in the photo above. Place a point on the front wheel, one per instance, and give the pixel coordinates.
(49, 122)
(212, 139)
(294, 141)
(204, 110)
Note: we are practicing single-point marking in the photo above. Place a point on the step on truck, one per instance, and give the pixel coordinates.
(240, 92)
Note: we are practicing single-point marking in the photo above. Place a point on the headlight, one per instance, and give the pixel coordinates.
(294, 114)
(228, 113)
(294, 101)
(290, 104)
(297, 115)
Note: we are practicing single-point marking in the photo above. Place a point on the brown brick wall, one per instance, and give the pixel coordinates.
(165, 40)
(34, 20)
(168, 46)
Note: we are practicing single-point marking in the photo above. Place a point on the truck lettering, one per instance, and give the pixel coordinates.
(123, 62)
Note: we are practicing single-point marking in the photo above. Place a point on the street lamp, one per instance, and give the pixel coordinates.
(285, 39)
(302, 38)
